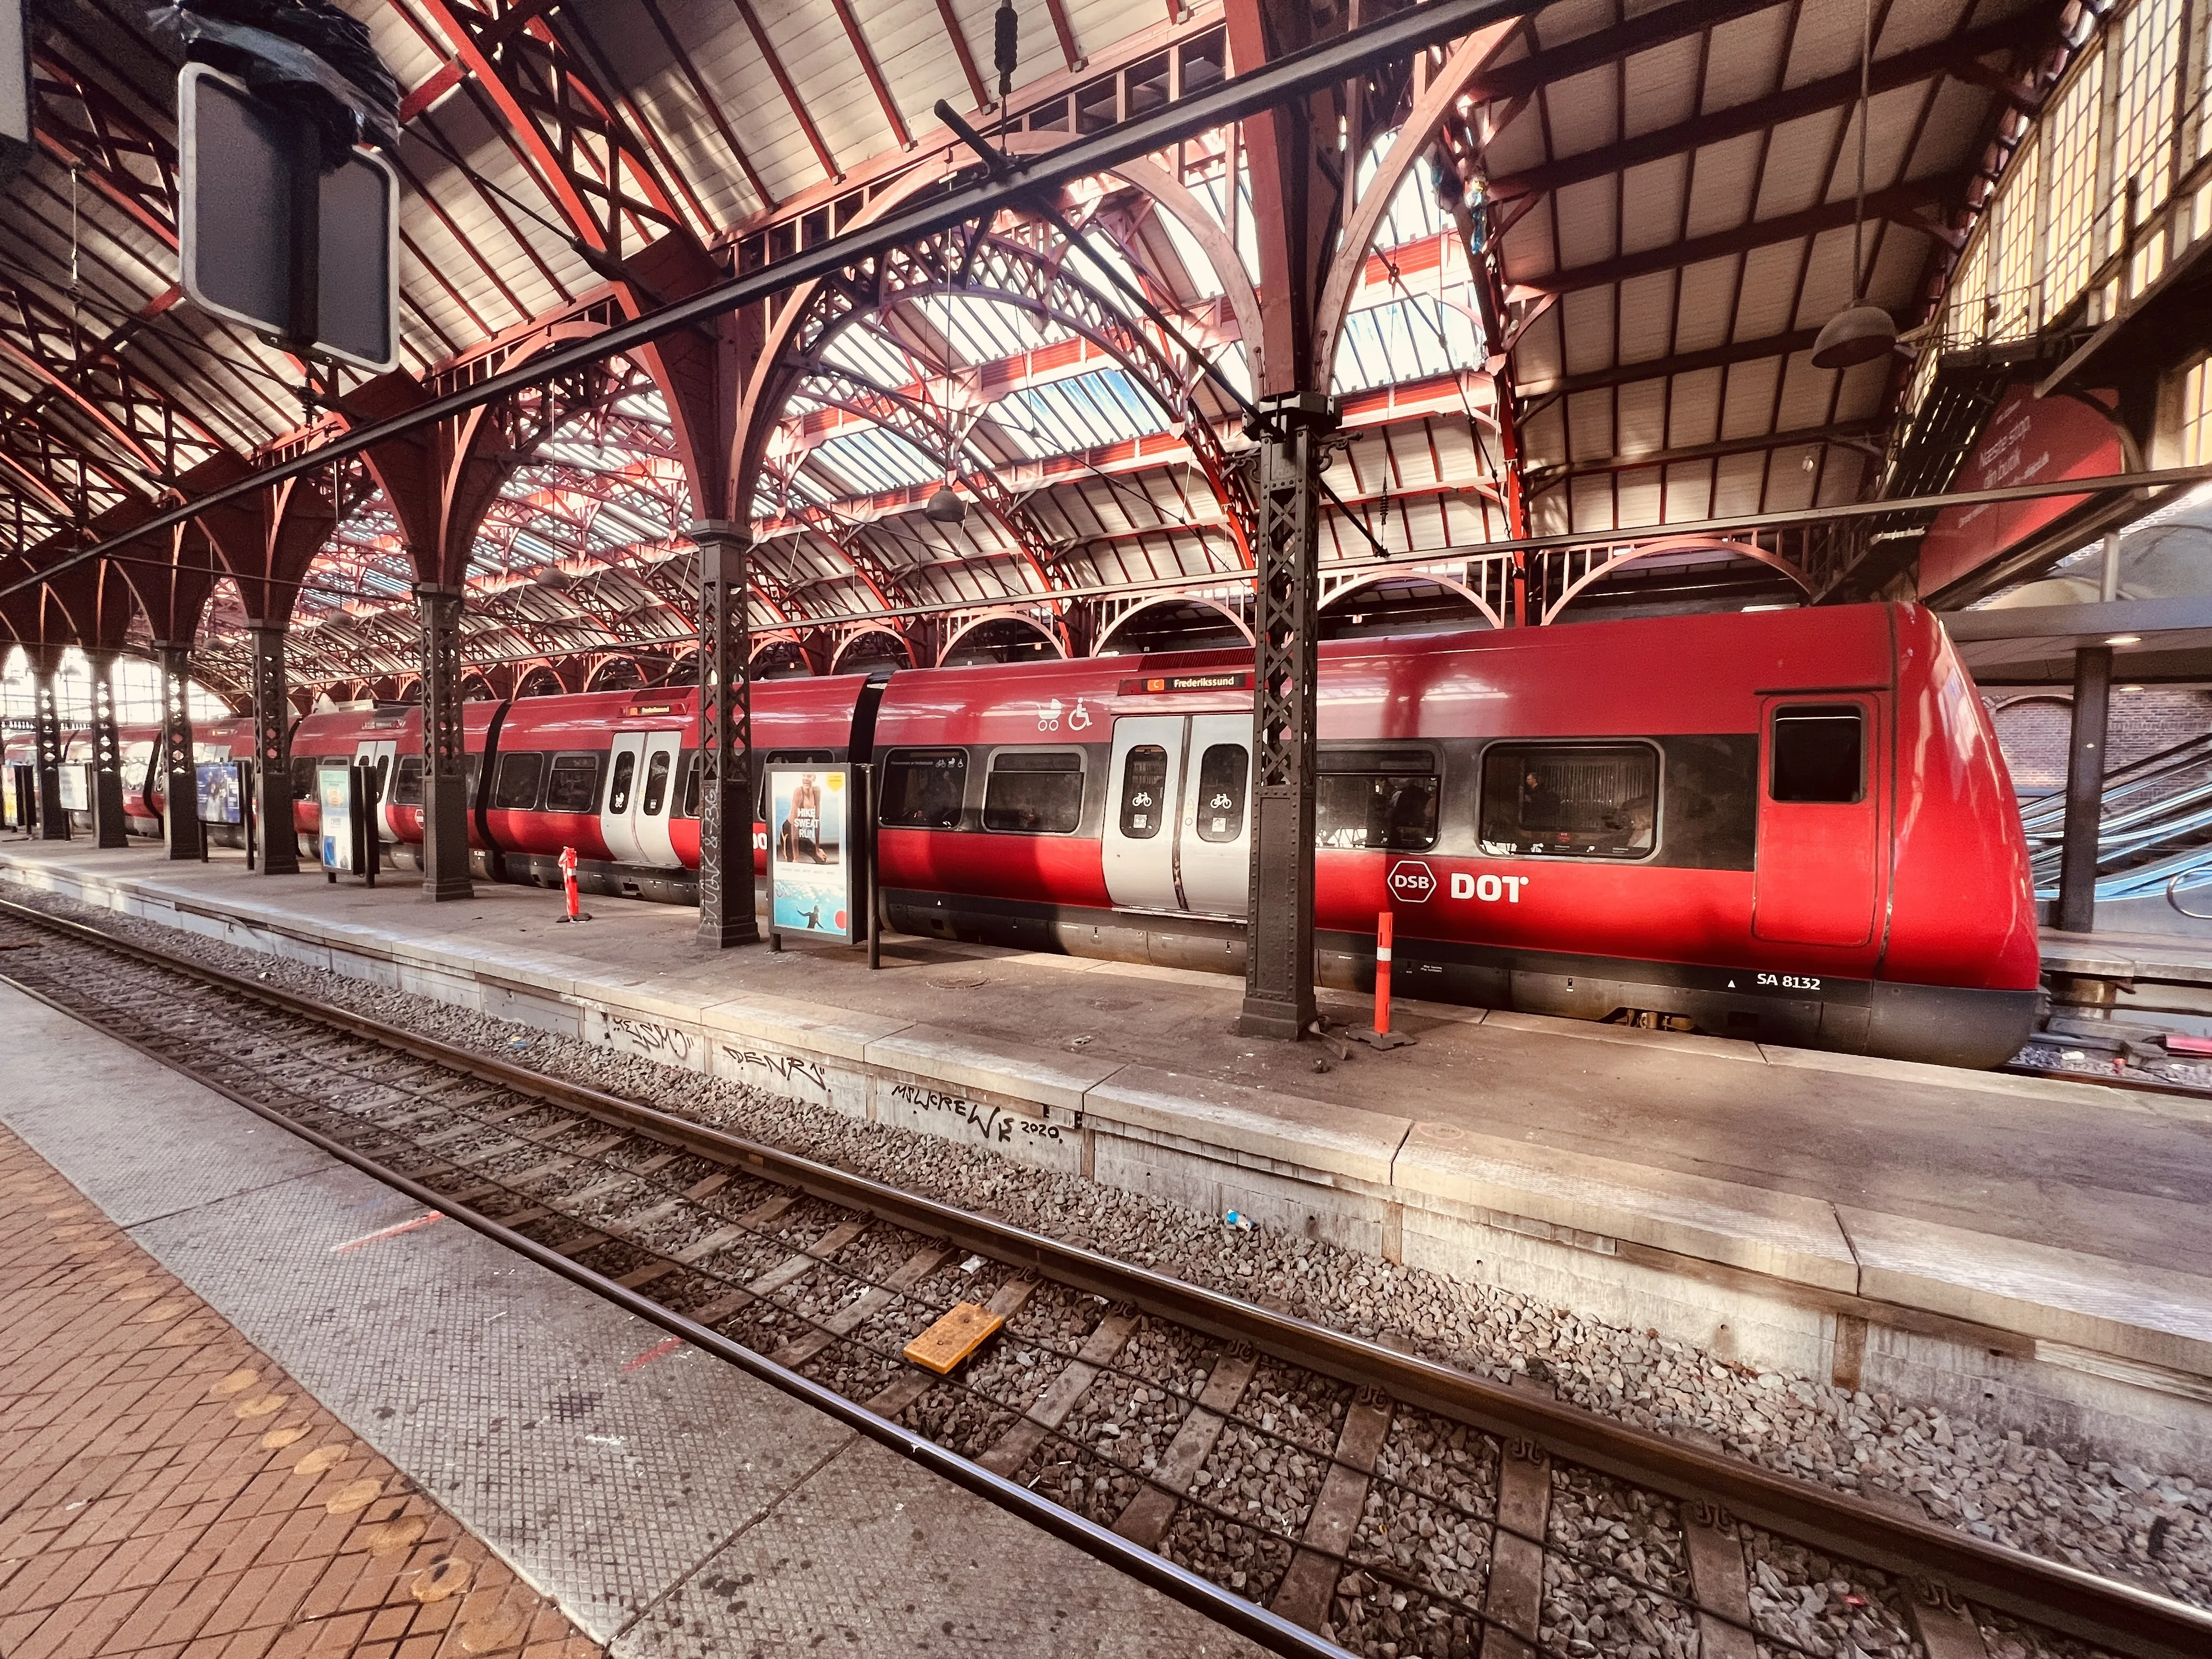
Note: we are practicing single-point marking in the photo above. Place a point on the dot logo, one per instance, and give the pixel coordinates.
(1412, 881)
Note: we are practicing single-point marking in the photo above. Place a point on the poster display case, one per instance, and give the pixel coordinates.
(811, 859)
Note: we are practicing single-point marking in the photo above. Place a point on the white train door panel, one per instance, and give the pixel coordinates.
(657, 787)
(641, 797)
(1141, 794)
(618, 813)
(382, 753)
(1214, 831)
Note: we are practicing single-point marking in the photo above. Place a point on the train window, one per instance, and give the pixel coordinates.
(1223, 773)
(303, 777)
(573, 784)
(690, 807)
(656, 782)
(514, 783)
(1375, 798)
(618, 786)
(407, 788)
(1143, 792)
(1819, 752)
(923, 788)
(1036, 792)
(1589, 800)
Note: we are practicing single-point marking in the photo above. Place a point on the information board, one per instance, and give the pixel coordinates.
(810, 867)
(237, 240)
(339, 832)
(75, 790)
(219, 794)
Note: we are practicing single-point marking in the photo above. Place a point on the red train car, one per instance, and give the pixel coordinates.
(1790, 825)
(143, 786)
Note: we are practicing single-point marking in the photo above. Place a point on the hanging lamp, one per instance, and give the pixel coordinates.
(946, 506)
(1861, 333)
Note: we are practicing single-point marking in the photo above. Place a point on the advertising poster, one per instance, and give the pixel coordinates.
(334, 795)
(810, 877)
(219, 791)
(2027, 439)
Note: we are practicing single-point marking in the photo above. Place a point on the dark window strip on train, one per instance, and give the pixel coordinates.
(1819, 754)
(924, 788)
(572, 784)
(1570, 800)
(1034, 792)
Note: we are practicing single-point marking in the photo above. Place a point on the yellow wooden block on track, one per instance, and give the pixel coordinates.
(953, 1338)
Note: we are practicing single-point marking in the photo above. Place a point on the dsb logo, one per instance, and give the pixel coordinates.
(1412, 881)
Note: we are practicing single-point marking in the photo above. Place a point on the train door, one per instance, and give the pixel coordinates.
(641, 793)
(1213, 849)
(1146, 787)
(1818, 870)
(383, 754)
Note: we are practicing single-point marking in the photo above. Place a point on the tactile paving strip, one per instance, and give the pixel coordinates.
(918, 1577)
(165, 1484)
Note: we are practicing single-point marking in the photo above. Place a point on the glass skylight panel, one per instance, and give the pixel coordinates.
(1205, 284)
(867, 353)
(1414, 214)
(878, 460)
(1090, 410)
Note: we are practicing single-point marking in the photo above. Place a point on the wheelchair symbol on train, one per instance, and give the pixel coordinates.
(1049, 714)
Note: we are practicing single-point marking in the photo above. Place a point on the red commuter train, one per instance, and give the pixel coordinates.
(1793, 826)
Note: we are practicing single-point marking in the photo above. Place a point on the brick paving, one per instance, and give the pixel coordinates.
(165, 1490)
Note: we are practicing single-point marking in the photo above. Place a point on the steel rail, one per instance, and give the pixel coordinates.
(1248, 1619)
(1297, 75)
(2108, 1613)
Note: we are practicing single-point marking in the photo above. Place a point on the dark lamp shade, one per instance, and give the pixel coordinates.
(1856, 336)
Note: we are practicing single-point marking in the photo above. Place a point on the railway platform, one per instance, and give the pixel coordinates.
(2024, 1249)
(2162, 981)
(201, 1305)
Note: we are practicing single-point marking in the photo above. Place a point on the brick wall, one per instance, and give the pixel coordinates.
(2031, 730)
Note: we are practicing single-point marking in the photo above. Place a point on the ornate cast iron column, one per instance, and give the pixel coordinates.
(272, 752)
(180, 782)
(1278, 966)
(444, 767)
(106, 755)
(726, 738)
(53, 820)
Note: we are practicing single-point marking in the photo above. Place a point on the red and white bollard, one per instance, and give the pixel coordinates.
(1383, 922)
(1383, 1036)
(568, 886)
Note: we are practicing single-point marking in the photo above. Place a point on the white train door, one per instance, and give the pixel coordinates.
(1144, 788)
(658, 790)
(1214, 834)
(642, 785)
(383, 754)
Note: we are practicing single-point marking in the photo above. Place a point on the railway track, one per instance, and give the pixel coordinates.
(1312, 1491)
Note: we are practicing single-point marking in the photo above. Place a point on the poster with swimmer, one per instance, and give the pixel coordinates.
(809, 880)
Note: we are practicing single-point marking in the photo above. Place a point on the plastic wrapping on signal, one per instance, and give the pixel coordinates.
(304, 55)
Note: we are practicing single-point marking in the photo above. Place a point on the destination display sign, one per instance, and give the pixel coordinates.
(1152, 685)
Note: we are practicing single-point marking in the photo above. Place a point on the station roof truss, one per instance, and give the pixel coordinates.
(1616, 335)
